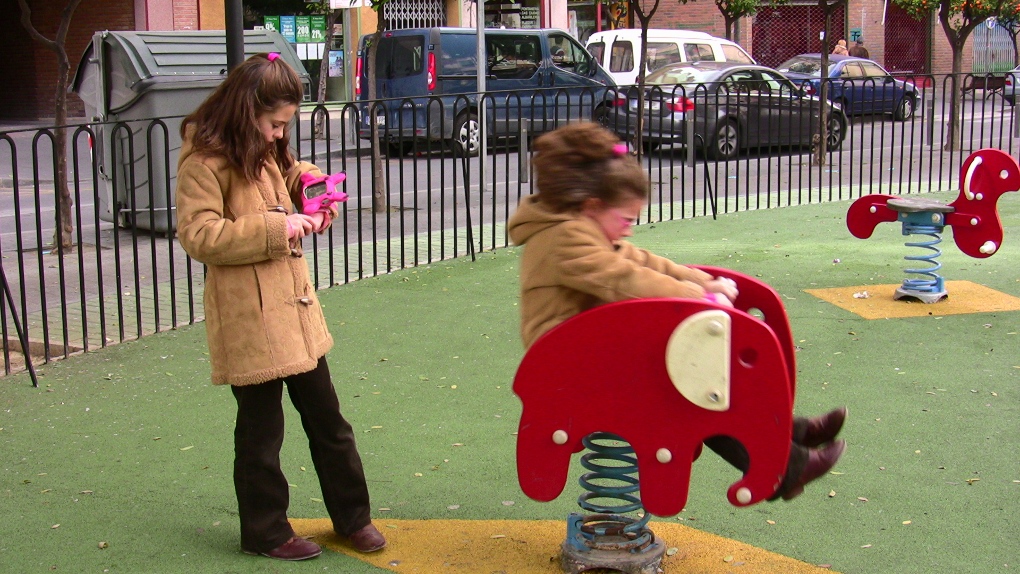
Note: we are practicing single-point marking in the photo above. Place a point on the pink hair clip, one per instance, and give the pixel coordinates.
(620, 149)
(272, 56)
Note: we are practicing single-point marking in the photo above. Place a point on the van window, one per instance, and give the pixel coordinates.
(699, 52)
(513, 56)
(597, 50)
(400, 57)
(662, 53)
(567, 54)
(459, 54)
(735, 54)
(622, 57)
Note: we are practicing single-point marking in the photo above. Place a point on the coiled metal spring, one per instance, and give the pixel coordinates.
(931, 282)
(612, 490)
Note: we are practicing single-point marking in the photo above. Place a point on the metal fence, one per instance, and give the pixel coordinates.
(126, 276)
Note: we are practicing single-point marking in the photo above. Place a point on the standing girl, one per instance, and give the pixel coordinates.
(237, 189)
(590, 194)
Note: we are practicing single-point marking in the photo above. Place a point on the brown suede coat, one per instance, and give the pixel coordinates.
(263, 320)
(570, 266)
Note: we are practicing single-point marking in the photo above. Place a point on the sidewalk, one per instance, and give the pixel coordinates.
(121, 460)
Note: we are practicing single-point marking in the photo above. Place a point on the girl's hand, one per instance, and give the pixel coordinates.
(298, 225)
(723, 286)
(323, 219)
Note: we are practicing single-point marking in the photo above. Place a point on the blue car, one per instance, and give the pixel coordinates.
(859, 85)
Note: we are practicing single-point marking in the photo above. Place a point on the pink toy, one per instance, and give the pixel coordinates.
(321, 192)
(663, 374)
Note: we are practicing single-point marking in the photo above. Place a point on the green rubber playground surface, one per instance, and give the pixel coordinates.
(121, 460)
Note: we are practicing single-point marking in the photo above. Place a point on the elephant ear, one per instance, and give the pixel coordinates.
(698, 359)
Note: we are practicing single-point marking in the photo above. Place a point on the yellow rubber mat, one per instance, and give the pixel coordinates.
(876, 301)
(533, 547)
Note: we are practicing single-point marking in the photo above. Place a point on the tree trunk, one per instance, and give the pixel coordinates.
(957, 39)
(642, 66)
(319, 126)
(378, 182)
(729, 22)
(955, 100)
(62, 235)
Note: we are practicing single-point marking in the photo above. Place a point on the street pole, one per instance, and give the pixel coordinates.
(482, 70)
(234, 21)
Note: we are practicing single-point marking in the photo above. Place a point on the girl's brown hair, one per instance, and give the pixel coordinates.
(582, 161)
(226, 123)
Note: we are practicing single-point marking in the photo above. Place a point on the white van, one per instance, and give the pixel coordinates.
(618, 51)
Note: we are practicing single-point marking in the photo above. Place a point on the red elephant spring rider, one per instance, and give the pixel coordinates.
(984, 177)
(693, 370)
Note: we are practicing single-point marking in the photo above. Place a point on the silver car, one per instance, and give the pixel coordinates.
(734, 107)
(1010, 84)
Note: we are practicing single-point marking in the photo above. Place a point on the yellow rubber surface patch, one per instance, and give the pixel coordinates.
(533, 547)
(964, 297)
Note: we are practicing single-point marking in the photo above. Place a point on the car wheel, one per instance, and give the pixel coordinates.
(649, 146)
(835, 133)
(466, 140)
(399, 148)
(905, 109)
(725, 143)
(601, 116)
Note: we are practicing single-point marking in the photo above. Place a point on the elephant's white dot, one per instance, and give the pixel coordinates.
(663, 455)
(979, 196)
(973, 221)
(1003, 174)
(988, 247)
(743, 495)
(560, 437)
(873, 209)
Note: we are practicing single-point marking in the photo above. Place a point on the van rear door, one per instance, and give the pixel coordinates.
(401, 70)
(401, 74)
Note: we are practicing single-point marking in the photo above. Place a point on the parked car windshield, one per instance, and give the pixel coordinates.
(671, 75)
(805, 65)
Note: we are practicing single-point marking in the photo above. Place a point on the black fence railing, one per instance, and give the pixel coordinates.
(433, 195)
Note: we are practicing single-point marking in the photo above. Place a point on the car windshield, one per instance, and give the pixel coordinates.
(671, 75)
(804, 65)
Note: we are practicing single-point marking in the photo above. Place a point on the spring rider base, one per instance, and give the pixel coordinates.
(583, 551)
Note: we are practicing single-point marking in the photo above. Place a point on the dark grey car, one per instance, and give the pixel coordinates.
(734, 107)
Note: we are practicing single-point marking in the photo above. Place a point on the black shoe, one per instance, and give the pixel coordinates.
(820, 461)
(823, 429)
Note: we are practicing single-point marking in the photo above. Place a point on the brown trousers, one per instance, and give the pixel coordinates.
(261, 487)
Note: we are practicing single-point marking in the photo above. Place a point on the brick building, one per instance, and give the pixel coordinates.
(32, 68)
